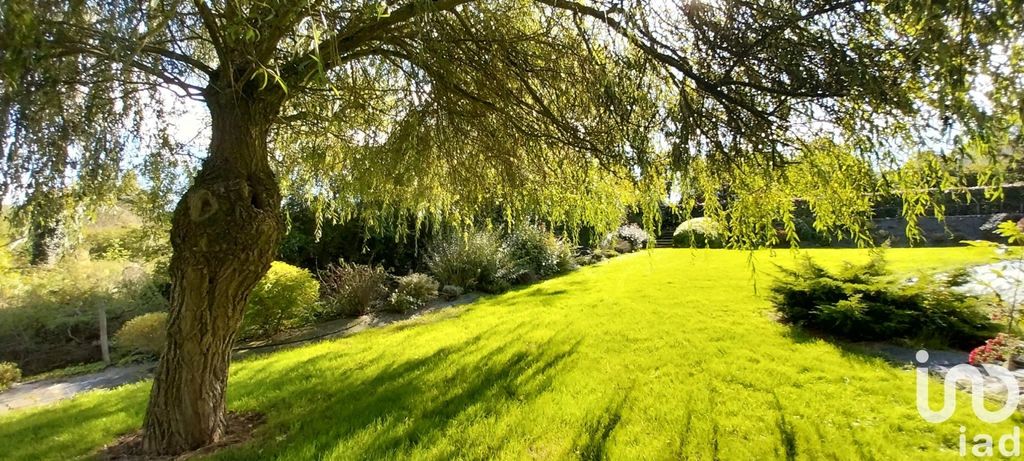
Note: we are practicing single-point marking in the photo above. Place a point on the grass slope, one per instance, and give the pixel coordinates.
(658, 355)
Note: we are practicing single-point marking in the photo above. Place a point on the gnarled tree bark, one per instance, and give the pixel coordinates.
(225, 232)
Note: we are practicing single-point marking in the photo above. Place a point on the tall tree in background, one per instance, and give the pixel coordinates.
(558, 109)
(47, 231)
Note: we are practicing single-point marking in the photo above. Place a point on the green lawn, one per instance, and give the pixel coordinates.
(668, 354)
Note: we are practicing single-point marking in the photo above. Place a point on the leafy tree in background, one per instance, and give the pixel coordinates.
(47, 230)
(558, 109)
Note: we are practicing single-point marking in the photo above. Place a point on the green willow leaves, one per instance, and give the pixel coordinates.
(570, 111)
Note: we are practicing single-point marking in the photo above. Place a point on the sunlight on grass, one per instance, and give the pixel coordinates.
(657, 355)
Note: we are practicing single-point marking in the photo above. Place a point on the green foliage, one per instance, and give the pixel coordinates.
(128, 244)
(588, 259)
(866, 303)
(50, 320)
(145, 335)
(536, 253)
(10, 278)
(460, 128)
(477, 261)
(753, 208)
(698, 233)
(351, 290)
(286, 297)
(9, 374)
(390, 241)
(1012, 231)
(413, 291)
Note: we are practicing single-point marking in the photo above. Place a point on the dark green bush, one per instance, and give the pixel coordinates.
(698, 233)
(316, 243)
(9, 374)
(866, 303)
(351, 290)
(808, 235)
(477, 262)
(286, 297)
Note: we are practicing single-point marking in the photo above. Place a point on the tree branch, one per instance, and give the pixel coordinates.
(210, 23)
(330, 53)
(69, 49)
(678, 63)
(174, 56)
(100, 36)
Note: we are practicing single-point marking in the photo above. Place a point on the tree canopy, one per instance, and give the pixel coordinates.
(550, 108)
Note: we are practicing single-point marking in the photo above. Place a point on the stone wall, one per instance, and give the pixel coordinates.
(948, 232)
(956, 204)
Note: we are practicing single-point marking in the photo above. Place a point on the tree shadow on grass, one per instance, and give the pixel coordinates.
(70, 430)
(408, 404)
(543, 289)
(595, 436)
(787, 434)
(871, 353)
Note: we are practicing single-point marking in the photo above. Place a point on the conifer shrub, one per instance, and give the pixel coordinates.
(867, 303)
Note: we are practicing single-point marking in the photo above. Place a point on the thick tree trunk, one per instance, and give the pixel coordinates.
(225, 232)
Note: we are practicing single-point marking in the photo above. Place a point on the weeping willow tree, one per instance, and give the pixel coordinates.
(560, 110)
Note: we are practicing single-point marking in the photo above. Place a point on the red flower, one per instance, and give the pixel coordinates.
(994, 350)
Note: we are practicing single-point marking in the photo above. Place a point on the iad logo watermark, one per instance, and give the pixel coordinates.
(982, 444)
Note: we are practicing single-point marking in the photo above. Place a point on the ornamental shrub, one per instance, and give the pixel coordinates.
(351, 290)
(477, 262)
(413, 292)
(996, 350)
(536, 253)
(588, 259)
(866, 303)
(698, 233)
(9, 374)
(286, 297)
(633, 235)
(143, 335)
(450, 292)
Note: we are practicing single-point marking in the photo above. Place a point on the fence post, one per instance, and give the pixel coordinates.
(104, 343)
